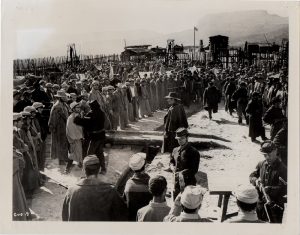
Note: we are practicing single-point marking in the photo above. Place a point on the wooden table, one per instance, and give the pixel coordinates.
(223, 200)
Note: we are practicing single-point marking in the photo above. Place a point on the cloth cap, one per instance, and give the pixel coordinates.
(172, 95)
(61, 94)
(267, 146)
(110, 87)
(56, 86)
(90, 160)
(37, 105)
(73, 105)
(192, 196)
(48, 85)
(17, 116)
(181, 131)
(29, 109)
(247, 194)
(73, 95)
(137, 161)
(104, 88)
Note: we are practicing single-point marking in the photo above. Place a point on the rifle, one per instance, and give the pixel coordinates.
(269, 205)
(57, 182)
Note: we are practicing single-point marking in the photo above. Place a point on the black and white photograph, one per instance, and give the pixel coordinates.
(151, 111)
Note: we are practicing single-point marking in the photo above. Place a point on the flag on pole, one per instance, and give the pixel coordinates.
(195, 28)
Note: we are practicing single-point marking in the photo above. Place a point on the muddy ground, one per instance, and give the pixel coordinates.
(219, 168)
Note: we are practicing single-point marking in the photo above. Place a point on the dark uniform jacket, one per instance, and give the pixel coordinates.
(269, 175)
(93, 122)
(93, 200)
(175, 118)
(211, 97)
(137, 194)
(186, 159)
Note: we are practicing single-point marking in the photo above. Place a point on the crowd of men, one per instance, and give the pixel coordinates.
(76, 110)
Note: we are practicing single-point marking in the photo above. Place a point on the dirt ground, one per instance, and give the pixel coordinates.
(219, 168)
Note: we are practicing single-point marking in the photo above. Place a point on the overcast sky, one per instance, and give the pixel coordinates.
(43, 17)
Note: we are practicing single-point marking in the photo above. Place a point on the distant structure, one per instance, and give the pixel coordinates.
(218, 49)
(72, 57)
(142, 52)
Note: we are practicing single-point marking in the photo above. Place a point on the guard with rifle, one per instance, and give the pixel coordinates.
(269, 178)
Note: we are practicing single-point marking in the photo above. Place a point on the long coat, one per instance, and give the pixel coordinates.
(20, 208)
(93, 200)
(254, 110)
(212, 97)
(175, 118)
(57, 125)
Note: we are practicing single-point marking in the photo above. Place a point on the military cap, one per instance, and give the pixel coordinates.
(267, 146)
(90, 160)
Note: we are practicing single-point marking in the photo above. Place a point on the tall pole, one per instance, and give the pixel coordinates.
(194, 46)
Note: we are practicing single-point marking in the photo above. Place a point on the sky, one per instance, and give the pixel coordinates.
(44, 17)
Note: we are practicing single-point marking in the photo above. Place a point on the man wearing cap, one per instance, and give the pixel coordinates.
(157, 208)
(74, 135)
(175, 118)
(39, 94)
(136, 190)
(57, 125)
(91, 199)
(246, 200)
(269, 177)
(186, 206)
(184, 162)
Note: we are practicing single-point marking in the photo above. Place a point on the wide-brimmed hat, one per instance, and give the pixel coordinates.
(73, 105)
(61, 94)
(29, 109)
(172, 95)
(17, 116)
(37, 105)
(180, 132)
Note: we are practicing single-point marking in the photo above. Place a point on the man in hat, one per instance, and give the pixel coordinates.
(270, 178)
(91, 199)
(246, 200)
(39, 94)
(184, 162)
(93, 124)
(175, 118)
(57, 125)
(72, 87)
(186, 206)
(74, 135)
(240, 97)
(211, 97)
(136, 190)
(157, 208)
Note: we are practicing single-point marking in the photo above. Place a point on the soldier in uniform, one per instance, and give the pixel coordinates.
(184, 162)
(269, 177)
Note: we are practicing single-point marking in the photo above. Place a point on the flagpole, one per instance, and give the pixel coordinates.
(194, 44)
